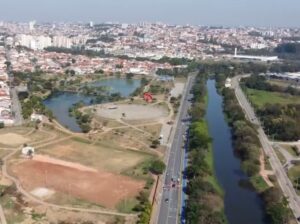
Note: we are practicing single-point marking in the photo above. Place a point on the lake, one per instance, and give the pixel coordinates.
(59, 103)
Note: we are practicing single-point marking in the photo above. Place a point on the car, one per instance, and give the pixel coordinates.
(167, 200)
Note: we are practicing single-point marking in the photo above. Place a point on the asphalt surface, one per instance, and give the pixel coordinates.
(172, 196)
(16, 105)
(282, 178)
(16, 108)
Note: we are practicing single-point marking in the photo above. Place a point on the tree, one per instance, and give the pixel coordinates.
(157, 167)
(129, 75)
(155, 143)
(8, 64)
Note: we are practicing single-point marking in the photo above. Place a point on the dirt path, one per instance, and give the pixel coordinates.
(2, 216)
(263, 172)
(41, 202)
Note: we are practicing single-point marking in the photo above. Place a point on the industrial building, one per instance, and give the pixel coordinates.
(254, 58)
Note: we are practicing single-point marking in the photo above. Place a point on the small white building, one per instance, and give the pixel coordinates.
(27, 151)
(228, 83)
(36, 117)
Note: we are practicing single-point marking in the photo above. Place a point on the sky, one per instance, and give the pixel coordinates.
(267, 13)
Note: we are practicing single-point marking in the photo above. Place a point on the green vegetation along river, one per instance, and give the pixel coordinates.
(242, 205)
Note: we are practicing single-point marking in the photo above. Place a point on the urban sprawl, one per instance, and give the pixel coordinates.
(82, 49)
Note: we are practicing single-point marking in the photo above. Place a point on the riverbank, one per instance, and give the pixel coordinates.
(61, 102)
(205, 195)
(228, 167)
(248, 148)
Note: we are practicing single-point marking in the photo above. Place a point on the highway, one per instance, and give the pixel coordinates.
(172, 195)
(16, 105)
(282, 178)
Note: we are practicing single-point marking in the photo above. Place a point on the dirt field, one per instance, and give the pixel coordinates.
(104, 156)
(12, 139)
(104, 188)
(47, 159)
(132, 112)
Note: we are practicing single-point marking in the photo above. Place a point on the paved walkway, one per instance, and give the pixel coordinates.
(2, 217)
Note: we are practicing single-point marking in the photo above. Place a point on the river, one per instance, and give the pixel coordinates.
(242, 205)
(60, 103)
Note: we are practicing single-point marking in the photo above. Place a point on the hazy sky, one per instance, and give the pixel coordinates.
(200, 12)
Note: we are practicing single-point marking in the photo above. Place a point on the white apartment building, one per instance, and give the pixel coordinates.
(62, 41)
(33, 42)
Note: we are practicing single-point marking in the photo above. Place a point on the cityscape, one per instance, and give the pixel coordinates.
(148, 122)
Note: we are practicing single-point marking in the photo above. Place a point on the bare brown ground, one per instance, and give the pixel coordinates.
(263, 172)
(103, 188)
(48, 159)
(12, 139)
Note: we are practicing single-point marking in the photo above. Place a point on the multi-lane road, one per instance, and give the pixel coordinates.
(172, 196)
(16, 105)
(283, 180)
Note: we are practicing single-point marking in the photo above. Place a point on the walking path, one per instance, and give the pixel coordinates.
(265, 173)
(41, 202)
(2, 216)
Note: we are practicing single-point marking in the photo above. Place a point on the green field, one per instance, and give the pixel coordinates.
(280, 157)
(290, 150)
(259, 183)
(209, 158)
(259, 97)
(294, 174)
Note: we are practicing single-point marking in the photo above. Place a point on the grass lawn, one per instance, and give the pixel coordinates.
(127, 205)
(259, 97)
(280, 157)
(12, 214)
(293, 174)
(3, 153)
(212, 178)
(267, 163)
(290, 150)
(259, 183)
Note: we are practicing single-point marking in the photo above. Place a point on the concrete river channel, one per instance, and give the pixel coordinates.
(59, 103)
(242, 205)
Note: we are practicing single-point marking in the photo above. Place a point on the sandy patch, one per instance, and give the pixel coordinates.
(132, 112)
(42, 192)
(178, 89)
(104, 188)
(13, 139)
(265, 173)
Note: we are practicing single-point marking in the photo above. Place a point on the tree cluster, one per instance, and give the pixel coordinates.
(281, 122)
(199, 189)
(245, 139)
(260, 82)
(247, 145)
(83, 120)
(277, 206)
(34, 104)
